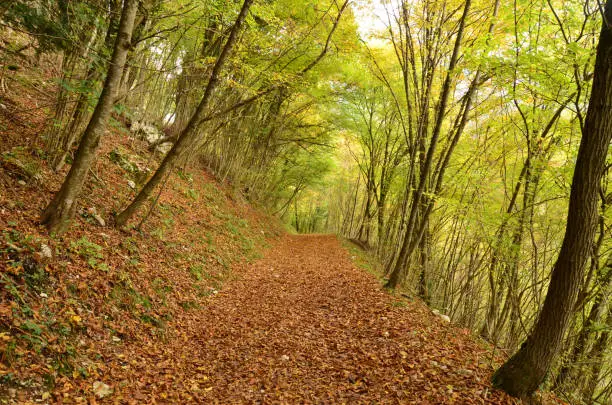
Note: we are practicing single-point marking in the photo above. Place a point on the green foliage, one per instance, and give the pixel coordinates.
(91, 252)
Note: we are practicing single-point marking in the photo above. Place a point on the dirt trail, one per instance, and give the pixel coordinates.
(303, 325)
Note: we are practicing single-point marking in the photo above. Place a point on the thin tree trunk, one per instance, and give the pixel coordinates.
(61, 209)
(188, 136)
(408, 244)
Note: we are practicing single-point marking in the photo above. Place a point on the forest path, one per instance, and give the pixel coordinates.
(303, 325)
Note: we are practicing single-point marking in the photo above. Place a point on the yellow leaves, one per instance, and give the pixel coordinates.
(75, 319)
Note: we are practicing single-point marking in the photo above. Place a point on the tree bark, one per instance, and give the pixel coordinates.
(61, 209)
(523, 373)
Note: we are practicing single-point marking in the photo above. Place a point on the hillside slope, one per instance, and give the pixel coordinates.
(76, 308)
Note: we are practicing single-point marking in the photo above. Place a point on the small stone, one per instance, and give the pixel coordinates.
(43, 295)
(116, 339)
(131, 184)
(284, 357)
(99, 219)
(21, 183)
(101, 390)
(46, 252)
(445, 318)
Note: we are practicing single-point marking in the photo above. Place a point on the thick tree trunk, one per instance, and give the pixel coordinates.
(61, 209)
(526, 370)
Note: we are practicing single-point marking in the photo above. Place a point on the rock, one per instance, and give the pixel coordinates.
(43, 295)
(145, 131)
(131, 184)
(21, 183)
(116, 339)
(99, 220)
(46, 252)
(101, 390)
(284, 357)
(441, 316)
(94, 214)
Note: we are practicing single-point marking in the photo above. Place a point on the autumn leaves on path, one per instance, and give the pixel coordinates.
(304, 325)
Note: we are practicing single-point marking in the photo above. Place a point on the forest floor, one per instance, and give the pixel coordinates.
(304, 325)
(210, 302)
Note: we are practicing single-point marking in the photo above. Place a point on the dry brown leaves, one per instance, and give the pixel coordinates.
(304, 325)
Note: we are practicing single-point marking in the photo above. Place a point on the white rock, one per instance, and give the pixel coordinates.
(101, 390)
(94, 214)
(131, 184)
(147, 131)
(99, 219)
(284, 357)
(21, 183)
(46, 252)
(43, 295)
(441, 316)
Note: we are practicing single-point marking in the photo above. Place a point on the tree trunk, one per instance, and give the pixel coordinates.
(409, 244)
(61, 209)
(190, 133)
(523, 373)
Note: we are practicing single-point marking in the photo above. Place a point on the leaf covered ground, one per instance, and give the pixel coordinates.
(305, 325)
(187, 310)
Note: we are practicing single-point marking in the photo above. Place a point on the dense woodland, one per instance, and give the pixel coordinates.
(463, 143)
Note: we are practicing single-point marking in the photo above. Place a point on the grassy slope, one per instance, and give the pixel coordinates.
(106, 298)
